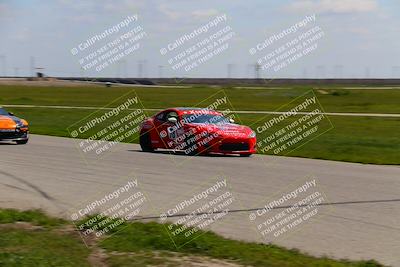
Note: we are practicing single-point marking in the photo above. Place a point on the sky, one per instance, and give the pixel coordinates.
(356, 38)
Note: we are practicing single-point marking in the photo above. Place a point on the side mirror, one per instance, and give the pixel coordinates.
(172, 119)
(231, 120)
(10, 113)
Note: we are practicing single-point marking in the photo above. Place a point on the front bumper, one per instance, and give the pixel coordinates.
(233, 146)
(14, 135)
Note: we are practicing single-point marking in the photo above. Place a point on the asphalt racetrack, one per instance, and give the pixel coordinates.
(357, 220)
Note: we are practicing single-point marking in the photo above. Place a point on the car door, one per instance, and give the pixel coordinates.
(158, 121)
(167, 131)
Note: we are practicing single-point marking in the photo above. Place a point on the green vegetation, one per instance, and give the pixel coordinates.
(331, 98)
(135, 244)
(354, 139)
(32, 216)
(31, 238)
(20, 247)
(153, 237)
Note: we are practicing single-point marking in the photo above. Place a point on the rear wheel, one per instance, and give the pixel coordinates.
(21, 142)
(145, 142)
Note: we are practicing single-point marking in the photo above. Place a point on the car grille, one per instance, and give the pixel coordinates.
(12, 135)
(234, 146)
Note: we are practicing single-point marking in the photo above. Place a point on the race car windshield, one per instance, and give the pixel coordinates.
(3, 112)
(205, 118)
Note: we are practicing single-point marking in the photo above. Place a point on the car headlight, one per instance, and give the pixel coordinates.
(252, 134)
(20, 124)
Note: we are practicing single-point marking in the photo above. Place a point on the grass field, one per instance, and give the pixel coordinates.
(37, 240)
(354, 139)
(45, 241)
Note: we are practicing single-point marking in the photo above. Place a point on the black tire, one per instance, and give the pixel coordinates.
(145, 142)
(245, 155)
(22, 142)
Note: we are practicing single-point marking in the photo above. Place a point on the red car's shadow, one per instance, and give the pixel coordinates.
(181, 153)
(7, 143)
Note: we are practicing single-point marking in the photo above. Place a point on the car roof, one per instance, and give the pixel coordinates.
(189, 110)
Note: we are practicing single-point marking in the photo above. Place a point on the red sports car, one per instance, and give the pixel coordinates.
(195, 131)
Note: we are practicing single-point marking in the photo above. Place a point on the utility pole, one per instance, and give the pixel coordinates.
(338, 71)
(305, 74)
(140, 68)
(145, 68)
(320, 72)
(160, 71)
(117, 69)
(125, 69)
(249, 68)
(121, 69)
(367, 72)
(257, 68)
(230, 70)
(32, 66)
(395, 71)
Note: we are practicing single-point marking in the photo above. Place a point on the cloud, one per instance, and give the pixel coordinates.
(4, 10)
(205, 13)
(23, 35)
(360, 31)
(170, 13)
(86, 18)
(121, 6)
(333, 6)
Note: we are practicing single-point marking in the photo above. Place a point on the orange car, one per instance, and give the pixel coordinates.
(13, 128)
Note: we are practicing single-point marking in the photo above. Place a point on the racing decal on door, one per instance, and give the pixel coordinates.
(174, 133)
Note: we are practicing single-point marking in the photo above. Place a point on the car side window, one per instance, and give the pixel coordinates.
(161, 116)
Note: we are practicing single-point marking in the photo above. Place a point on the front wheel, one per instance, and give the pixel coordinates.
(21, 142)
(145, 143)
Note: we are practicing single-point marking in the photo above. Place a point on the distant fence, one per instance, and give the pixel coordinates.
(259, 82)
(266, 82)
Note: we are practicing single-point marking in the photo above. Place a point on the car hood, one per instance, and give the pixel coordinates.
(11, 122)
(224, 129)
